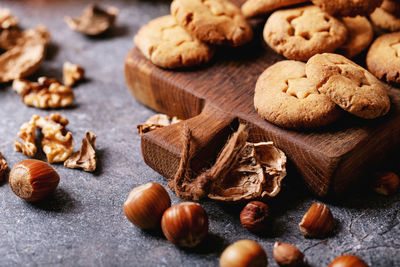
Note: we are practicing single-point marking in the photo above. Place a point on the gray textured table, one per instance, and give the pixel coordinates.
(83, 224)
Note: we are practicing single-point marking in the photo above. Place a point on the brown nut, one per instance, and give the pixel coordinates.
(348, 261)
(146, 204)
(3, 167)
(185, 224)
(288, 255)
(254, 216)
(33, 180)
(317, 222)
(386, 183)
(244, 253)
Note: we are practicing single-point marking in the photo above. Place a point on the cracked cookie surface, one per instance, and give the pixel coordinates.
(286, 97)
(168, 45)
(300, 33)
(360, 35)
(213, 21)
(253, 8)
(348, 8)
(383, 58)
(385, 20)
(349, 85)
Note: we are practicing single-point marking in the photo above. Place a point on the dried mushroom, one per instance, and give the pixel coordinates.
(46, 93)
(7, 20)
(3, 167)
(94, 20)
(242, 171)
(57, 142)
(26, 51)
(85, 158)
(72, 73)
(155, 122)
(27, 134)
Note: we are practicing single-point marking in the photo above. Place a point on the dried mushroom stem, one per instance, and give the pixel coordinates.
(85, 158)
(3, 167)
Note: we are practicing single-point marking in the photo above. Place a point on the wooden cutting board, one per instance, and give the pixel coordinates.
(214, 98)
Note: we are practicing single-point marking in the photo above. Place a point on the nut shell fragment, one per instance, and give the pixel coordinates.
(94, 20)
(85, 158)
(3, 167)
(155, 122)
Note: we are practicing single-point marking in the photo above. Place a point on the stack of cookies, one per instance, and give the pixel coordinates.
(188, 36)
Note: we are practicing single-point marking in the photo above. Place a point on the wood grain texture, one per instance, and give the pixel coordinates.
(215, 97)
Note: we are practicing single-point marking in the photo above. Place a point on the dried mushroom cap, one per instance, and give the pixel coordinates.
(94, 20)
(7, 20)
(3, 167)
(25, 55)
(46, 93)
(57, 142)
(257, 174)
(85, 158)
(27, 134)
(72, 73)
(156, 121)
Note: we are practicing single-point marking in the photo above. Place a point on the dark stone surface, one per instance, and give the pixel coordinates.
(83, 224)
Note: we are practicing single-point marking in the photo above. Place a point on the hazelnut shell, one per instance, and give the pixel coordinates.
(348, 261)
(317, 222)
(254, 216)
(288, 255)
(244, 253)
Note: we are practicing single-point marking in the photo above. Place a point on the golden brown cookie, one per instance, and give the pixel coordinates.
(213, 21)
(391, 6)
(286, 97)
(360, 34)
(253, 8)
(168, 45)
(348, 8)
(300, 33)
(383, 58)
(385, 20)
(347, 84)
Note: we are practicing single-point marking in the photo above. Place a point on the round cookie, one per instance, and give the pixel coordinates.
(168, 45)
(253, 8)
(383, 58)
(348, 8)
(360, 35)
(285, 97)
(300, 33)
(391, 6)
(385, 20)
(347, 84)
(213, 21)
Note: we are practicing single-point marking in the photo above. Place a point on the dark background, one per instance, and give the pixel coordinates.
(83, 224)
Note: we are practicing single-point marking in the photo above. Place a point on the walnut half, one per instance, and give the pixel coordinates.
(72, 73)
(27, 134)
(3, 167)
(85, 158)
(46, 93)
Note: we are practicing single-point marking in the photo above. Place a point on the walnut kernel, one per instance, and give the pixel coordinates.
(72, 73)
(27, 134)
(155, 122)
(3, 167)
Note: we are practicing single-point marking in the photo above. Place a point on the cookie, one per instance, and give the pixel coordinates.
(360, 34)
(170, 46)
(300, 33)
(285, 97)
(348, 8)
(213, 21)
(385, 20)
(347, 84)
(391, 6)
(253, 8)
(383, 58)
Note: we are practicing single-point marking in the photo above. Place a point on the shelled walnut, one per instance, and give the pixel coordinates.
(94, 20)
(155, 122)
(7, 20)
(3, 167)
(57, 142)
(27, 134)
(72, 73)
(46, 93)
(85, 158)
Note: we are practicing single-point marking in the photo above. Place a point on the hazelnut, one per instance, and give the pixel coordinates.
(185, 224)
(317, 222)
(33, 180)
(288, 255)
(146, 204)
(244, 253)
(348, 261)
(254, 216)
(386, 183)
